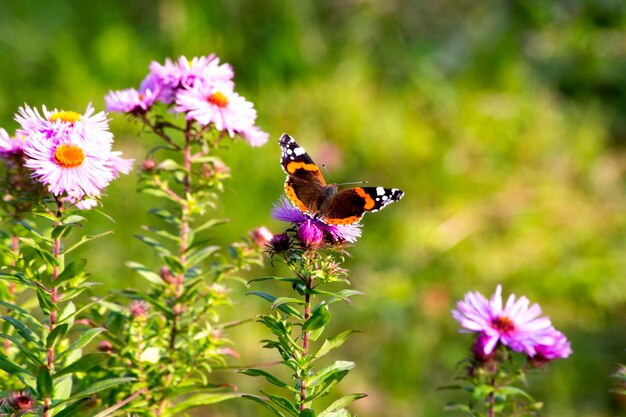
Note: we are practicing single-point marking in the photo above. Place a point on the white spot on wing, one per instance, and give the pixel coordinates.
(380, 191)
(299, 151)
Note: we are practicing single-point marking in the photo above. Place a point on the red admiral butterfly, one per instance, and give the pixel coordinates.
(306, 188)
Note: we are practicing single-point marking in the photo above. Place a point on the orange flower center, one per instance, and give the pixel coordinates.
(65, 116)
(69, 156)
(503, 324)
(218, 99)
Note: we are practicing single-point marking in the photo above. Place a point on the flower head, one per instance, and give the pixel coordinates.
(515, 324)
(69, 152)
(186, 74)
(557, 347)
(10, 146)
(130, 100)
(139, 309)
(310, 228)
(20, 401)
(217, 104)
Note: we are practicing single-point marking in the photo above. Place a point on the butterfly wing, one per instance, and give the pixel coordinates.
(348, 206)
(305, 183)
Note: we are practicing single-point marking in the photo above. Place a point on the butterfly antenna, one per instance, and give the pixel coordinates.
(325, 169)
(353, 183)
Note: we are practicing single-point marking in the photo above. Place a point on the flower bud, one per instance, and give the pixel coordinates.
(261, 236)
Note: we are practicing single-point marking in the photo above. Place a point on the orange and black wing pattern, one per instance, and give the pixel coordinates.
(348, 206)
(305, 182)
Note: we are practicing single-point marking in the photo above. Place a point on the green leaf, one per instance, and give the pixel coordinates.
(146, 273)
(197, 256)
(264, 403)
(101, 386)
(509, 390)
(269, 377)
(162, 233)
(83, 364)
(45, 300)
(287, 309)
(73, 219)
(318, 319)
(330, 370)
(23, 313)
(284, 403)
(209, 224)
(84, 240)
(200, 400)
(275, 278)
(71, 271)
(341, 403)
(82, 341)
(10, 367)
(26, 351)
(44, 382)
(334, 342)
(166, 216)
(29, 228)
(73, 409)
(57, 334)
(23, 330)
(286, 300)
(155, 244)
(307, 412)
(174, 264)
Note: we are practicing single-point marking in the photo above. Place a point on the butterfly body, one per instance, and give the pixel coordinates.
(307, 189)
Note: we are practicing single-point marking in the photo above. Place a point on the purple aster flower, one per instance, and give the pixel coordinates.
(130, 100)
(558, 347)
(187, 74)
(311, 232)
(516, 325)
(310, 227)
(10, 146)
(217, 104)
(254, 136)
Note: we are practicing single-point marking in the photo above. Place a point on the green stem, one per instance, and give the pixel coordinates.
(305, 342)
(54, 299)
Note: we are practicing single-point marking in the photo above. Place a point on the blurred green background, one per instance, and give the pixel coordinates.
(503, 121)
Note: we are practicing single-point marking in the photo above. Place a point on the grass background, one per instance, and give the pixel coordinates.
(503, 121)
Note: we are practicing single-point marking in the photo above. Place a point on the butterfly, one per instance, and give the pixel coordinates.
(307, 189)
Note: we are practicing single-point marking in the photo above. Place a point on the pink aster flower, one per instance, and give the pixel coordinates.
(10, 146)
(311, 231)
(55, 124)
(216, 104)
(515, 324)
(557, 347)
(254, 136)
(70, 153)
(130, 101)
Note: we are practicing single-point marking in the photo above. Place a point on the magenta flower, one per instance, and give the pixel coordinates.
(10, 146)
(516, 325)
(186, 74)
(217, 104)
(311, 230)
(70, 153)
(558, 347)
(254, 136)
(130, 100)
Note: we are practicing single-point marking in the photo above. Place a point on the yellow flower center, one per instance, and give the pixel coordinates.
(69, 156)
(65, 116)
(218, 99)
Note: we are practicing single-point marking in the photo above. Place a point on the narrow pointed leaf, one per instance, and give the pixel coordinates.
(83, 340)
(71, 271)
(334, 342)
(84, 240)
(44, 382)
(202, 399)
(146, 273)
(264, 403)
(85, 363)
(101, 386)
(341, 403)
